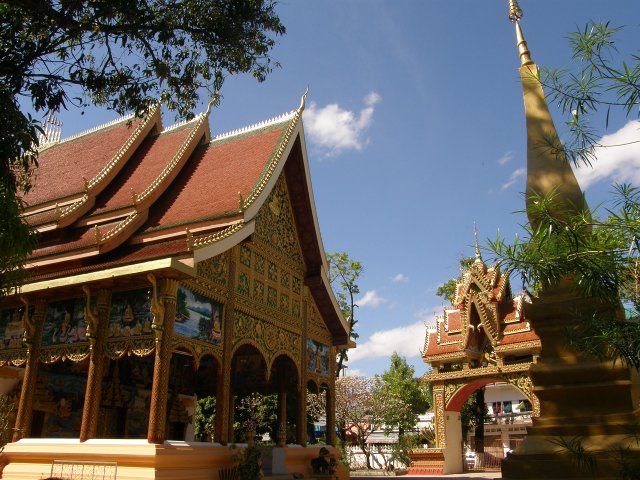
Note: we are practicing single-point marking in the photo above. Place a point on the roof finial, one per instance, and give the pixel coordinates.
(51, 131)
(303, 99)
(475, 234)
(515, 15)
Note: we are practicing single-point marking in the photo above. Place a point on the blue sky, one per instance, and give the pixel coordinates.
(415, 130)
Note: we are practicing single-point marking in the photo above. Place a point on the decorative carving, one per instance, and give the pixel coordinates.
(157, 309)
(450, 390)
(28, 324)
(438, 395)
(279, 231)
(91, 319)
(270, 339)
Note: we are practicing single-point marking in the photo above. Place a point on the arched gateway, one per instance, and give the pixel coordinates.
(483, 338)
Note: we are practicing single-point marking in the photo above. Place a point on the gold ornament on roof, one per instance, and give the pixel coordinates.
(241, 206)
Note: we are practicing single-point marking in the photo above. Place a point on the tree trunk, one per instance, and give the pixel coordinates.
(367, 454)
(479, 430)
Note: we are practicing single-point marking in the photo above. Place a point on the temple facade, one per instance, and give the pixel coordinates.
(170, 266)
(483, 338)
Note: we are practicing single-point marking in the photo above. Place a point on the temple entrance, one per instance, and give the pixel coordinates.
(483, 339)
(467, 453)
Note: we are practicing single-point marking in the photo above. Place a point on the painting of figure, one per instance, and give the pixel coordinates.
(317, 357)
(65, 323)
(198, 317)
(130, 314)
(11, 328)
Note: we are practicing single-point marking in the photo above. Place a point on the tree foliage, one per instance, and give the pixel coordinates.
(601, 258)
(447, 291)
(399, 382)
(343, 276)
(122, 54)
(360, 408)
(205, 419)
(599, 82)
(255, 413)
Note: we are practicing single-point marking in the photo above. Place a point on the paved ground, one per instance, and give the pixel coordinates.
(455, 476)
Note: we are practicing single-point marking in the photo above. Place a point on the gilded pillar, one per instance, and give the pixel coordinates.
(224, 394)
(439, 410)
(331, 400)
(33, 338)
(301, 421)
(97, 321)
(164, 313)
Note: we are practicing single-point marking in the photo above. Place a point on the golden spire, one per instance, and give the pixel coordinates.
(548, 171)
(475, 235)
(515, 14)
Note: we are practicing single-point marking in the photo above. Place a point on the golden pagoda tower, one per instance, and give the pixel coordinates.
(585, 403)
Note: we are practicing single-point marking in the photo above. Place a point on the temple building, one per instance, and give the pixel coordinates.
(483, 339)
(170, 266)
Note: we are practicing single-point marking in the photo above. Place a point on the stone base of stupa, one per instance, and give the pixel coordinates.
(589, 424)
(545, 457)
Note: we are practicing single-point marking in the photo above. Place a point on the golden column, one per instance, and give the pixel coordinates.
(331, 399)
(580, 396)
(301, 421)
(163, 307)
(97, 321)
(224, 396)
(33, 338)
(281, 439)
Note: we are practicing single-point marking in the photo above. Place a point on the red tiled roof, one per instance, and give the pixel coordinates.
(209, 183)
(141, 170)
(528, 336)
(62, 166)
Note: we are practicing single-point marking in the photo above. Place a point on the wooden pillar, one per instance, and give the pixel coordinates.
(331, 400)
(97, 321)
(164, 310)
(224, 393)
(33, 337)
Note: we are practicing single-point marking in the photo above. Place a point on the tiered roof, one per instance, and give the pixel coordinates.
(485, 317)
(131, 192)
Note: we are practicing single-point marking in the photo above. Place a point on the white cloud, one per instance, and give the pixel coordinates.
(371, 299)
(515, 175)
(618, 163)
(406, 340)
(333, 129)
(400, 278)
(506, 158)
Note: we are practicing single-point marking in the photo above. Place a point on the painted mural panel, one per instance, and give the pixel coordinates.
(60, 391)
(198, 317)
(130, 314)
(65, 323)
(317, 357)
(11, 328)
